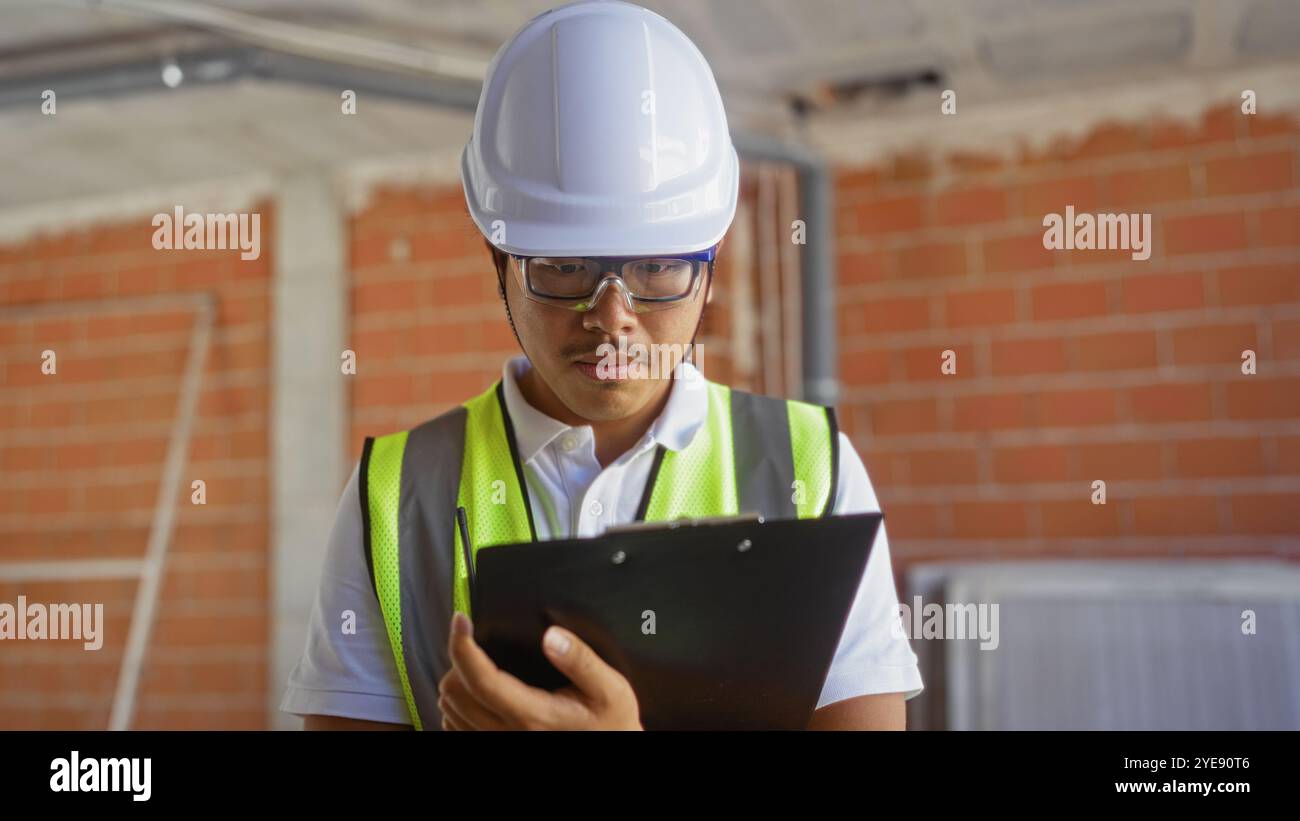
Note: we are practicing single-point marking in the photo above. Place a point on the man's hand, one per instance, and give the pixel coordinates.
(476, 695)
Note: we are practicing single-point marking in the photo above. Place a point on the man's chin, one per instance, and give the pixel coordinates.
(602, 401)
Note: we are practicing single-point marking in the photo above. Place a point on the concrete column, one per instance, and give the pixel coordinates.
(308, 409)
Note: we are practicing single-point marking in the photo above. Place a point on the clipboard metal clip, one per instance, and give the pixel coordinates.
(686, 521)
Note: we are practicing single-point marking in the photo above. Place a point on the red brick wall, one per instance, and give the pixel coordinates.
(1075, 366)
(81, 455)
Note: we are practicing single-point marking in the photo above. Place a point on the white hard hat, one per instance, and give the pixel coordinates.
(600, 132)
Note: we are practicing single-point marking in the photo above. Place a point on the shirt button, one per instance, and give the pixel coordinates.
(569, 442)
(596, 508)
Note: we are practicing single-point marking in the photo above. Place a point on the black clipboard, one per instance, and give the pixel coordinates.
(746, 614)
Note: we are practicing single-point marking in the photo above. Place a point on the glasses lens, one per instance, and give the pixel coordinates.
(563, 277)
(657, 278)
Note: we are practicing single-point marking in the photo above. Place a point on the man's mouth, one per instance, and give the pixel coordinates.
(600, 371)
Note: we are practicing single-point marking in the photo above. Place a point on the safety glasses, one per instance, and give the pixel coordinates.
(646, 283)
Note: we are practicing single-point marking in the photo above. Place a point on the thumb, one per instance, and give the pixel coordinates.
(573, 657)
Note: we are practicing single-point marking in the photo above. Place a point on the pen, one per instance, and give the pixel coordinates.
(463, 525)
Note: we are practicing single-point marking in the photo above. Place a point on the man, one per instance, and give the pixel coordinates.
(602, 175)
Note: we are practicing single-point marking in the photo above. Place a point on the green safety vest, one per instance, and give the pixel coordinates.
(754, 453)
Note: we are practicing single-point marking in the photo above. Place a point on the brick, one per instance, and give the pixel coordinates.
(1176, 516)
(1108, 140)
(1163, 292)
(901, 416)
(1068, 300)
(884, 467)
(1023, 252)
(990, 520)
(453, 386)
(1261, 124)
(1140, 187)
(1266, 514)
(864, 367)
(174, 630)
(1031, 463)
(970, 162)
(469, 289)
(924, 363)
(862, 267)
(938, 259)
(385, 296)
(1110, 461)
(1286, 339)
(1171, 403)
(1115, 351)
(1259, 284)
(1204, 233)
(1280, 226)
(897, 314)
(1070, 408)
(970, 206)
(14, 458)
(971, 308)
(231, 401)
(912, 521)
(1258, 397)
(1217, 125)
(889, 216)
(139, 280)
(1014, 357)
(989, 412)
(371, 391)
(910, 167)
(448, 336)
(1079, 518)
(1288, 455)
(1219, 457)
(943, 467)
(462, 241)
(497, 337)
(1250, 174)
(1039, 199)
(1213, 344)
(851, 182)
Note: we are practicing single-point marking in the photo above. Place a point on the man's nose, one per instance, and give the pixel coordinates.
(610, 313)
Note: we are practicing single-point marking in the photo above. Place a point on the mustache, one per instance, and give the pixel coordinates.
(589, 352)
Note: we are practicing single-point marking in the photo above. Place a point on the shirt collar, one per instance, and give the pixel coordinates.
(675, 427)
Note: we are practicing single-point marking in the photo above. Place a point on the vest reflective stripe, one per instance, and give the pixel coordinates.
(753, 453)
(381, 495)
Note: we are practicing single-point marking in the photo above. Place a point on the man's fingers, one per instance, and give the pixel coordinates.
(468, 710)
(588, 671)
(451, 720)
(497, 691)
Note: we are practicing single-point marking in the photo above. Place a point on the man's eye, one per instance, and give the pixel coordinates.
(569, 268)
(653, 267)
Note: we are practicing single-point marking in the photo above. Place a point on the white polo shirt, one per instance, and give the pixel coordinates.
(573, 496)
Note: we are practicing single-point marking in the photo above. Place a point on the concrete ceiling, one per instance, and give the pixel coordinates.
(772, 58)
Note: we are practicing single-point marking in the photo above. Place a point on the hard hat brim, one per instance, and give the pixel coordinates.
(694, 233)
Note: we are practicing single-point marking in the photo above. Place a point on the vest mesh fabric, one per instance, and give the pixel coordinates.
(383, 498)
(494, 502)
(700, 479)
